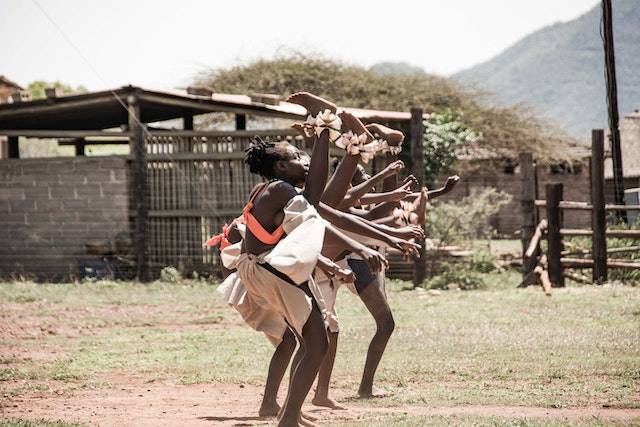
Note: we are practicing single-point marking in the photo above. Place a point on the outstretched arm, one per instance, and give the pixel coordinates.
(356, 225)
(357, 192)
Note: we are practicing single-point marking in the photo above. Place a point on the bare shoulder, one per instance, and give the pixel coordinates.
(282, 191)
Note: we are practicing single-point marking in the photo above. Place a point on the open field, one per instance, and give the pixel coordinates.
(173, 354)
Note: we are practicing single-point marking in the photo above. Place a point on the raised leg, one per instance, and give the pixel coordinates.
(314, 104)
(376, 303)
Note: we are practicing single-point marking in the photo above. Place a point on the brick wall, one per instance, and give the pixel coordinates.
(50, 207)
(481, 174)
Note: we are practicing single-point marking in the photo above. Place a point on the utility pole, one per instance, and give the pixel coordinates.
(612, 104)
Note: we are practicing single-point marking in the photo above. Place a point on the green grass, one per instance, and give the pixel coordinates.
(500, 346)
(475, 421)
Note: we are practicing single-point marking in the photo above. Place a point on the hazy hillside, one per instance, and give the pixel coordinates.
(559, 69)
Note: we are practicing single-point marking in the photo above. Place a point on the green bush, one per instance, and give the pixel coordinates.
(456, 276)
(170, 275)
(469, 218)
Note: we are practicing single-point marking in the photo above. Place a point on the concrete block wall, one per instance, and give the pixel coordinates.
(50, 207)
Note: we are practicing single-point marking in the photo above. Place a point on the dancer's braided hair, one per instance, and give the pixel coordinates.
(261, 156)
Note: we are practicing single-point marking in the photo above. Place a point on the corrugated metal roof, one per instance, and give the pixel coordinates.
(105, 109)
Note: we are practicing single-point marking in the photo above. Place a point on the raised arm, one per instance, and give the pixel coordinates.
(325, 122)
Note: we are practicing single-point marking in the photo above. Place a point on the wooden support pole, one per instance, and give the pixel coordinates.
(241, 122)
(416, 132)
(187, 122)
(528, 210)
(554, 239)
(140, 189)
(13, 147)
(598, 214)
(80, 146)
(612, 104)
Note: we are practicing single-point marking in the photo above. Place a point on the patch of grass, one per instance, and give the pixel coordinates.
(495, 346)
(477, 420)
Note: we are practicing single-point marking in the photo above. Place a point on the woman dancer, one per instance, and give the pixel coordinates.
(276, 268)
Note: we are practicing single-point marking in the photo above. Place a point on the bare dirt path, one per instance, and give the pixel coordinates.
(132, 401)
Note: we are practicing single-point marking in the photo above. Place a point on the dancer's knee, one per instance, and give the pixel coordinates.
(386, 325)
(288, 343)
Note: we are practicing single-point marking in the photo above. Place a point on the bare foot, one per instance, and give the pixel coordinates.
(308, 416)
(314, 104)
(352, 123)
(269, 409)
(305, 132)
(327, 403)
(392, 136)
(413, 180)
(372, 394)
(304, 422)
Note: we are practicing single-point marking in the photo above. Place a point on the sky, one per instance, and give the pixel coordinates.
(162, 44)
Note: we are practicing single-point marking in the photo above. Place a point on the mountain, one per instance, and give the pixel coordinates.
(559, 70)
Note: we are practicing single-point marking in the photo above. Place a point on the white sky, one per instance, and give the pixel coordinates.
(161, 44)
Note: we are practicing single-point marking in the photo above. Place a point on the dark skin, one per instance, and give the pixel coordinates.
(268, 210)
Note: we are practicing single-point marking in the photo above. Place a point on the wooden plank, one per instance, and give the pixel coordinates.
(598, 215)
(63, 133)
(583, 206)
(219, 133)
(416, 134)
(554, 238)
(528, 211)
(534, 244)
(140, 190)
(628, 234)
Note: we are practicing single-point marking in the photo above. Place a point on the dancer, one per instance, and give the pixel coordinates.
(276, 268)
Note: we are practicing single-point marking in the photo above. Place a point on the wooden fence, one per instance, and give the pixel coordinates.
(197, 182)
(551, 268)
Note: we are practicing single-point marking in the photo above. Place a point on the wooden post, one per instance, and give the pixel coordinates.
(79, 143)
(241, 122)
(416, 131)
(187, 122)
(612, 105)
(14, 147)
(554, 239)
(598, 213)
(140, 189)
(528, 209)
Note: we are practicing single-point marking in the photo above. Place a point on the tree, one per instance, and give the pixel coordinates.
(37, 87)
(505, 130)
(445, 136)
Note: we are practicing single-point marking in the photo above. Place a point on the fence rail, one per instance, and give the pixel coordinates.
(549, 269)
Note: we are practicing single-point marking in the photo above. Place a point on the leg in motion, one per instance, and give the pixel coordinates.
(321, 397)
(314, 347)
(376, 303)
(277, 368)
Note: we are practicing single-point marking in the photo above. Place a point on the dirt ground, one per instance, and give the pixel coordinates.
(134, 401)
(33, 316)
